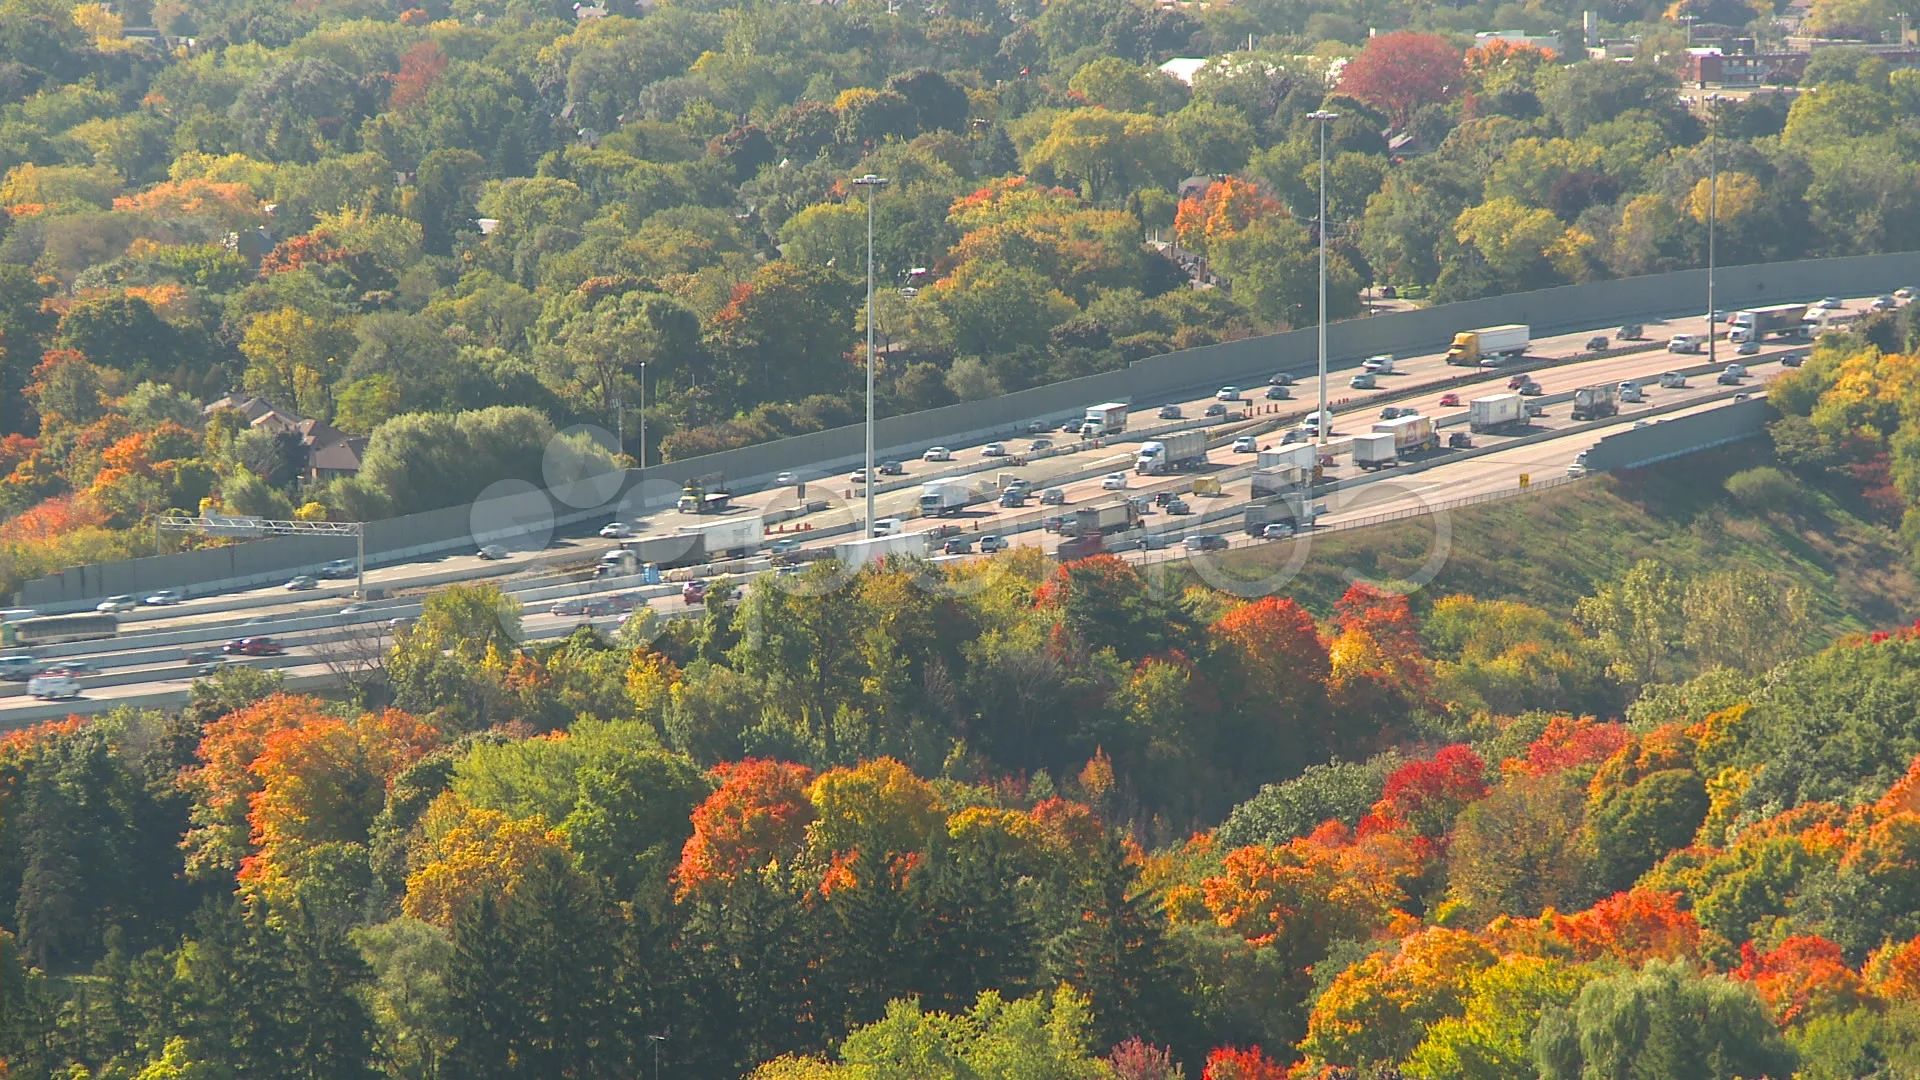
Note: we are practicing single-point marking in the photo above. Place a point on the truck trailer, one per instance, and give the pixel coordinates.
(1104, 420)
(1375, 450)
(944, 498)
(1596, 402)
(683, 548)
(1080, 547)
(1169, 452)
(1490, 344)
(858, 553)
(736, 536)
(1300, 455)
(1279, 480)
(1295, 509)
(1411, 434)
(1110, 518)
(1496, 413)
(1757, 324)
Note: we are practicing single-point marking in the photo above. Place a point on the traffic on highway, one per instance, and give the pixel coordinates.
(1177, 475)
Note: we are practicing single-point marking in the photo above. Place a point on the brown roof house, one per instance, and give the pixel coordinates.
(331, 453)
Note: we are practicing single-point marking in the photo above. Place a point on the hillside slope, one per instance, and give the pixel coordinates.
(1550, 549)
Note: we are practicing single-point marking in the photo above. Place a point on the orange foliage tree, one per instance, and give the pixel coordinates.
(1566, 744)
(1232, 1063)
(223, 784)
(1634, 926)
(1227, 207)
(1803, 978)
(1276, 649)
(758, 814)
(324, 782)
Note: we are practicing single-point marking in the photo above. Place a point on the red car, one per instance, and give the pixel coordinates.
(1449, 401)
(1519, 381)
(253, 646)
(694, 592)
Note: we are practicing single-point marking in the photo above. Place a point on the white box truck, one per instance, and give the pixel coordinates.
(1103, 420)
(1300, 455)
(735, 536)
(943, 498)
(1490, 344)
(1754, 324)
(1496, 413)
(1411, 434)
(1169, 452)
(858, 553)
(1375, 450)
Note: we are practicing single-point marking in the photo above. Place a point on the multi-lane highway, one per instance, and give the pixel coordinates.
(146, 664)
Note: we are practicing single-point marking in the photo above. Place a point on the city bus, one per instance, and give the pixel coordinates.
(54, 629)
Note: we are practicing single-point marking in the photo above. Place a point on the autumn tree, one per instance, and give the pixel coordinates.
(759, 813)
(1399, 72)
(1638, 620)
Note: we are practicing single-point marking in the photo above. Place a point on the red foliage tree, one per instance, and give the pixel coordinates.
(420, 67)
(1138, 1060)
(1633, 926)
(1425, 796)
(1277, 646)
(1568, 743)
(1230, 1063)
(1804, 977)
(1399, 72)
(759, 813)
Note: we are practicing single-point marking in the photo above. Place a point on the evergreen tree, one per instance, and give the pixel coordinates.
(1115, 952)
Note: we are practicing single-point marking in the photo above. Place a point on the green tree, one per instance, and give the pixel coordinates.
(1745, 620)
(446, 186)
(1113, 83)
(1109, 153)
(1629, 829)
(1638, 620)
(1514, 852)
(1273, 270)
(1664, 1020)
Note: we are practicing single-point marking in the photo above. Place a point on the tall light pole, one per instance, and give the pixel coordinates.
(1323, 422)
(1713, 209)
(870, 182)
(643, 415)
(656, 1040)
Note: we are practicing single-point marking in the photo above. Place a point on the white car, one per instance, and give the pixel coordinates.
(1278, 530)
(166, 597)
(615, 530)
(1578, 467)
(1114, 482)
(991, 544)
(937, 453)
(1829, 303)
(785, 479)
(994, 449)
(1246, 444)
(1228, 393)
(493, 552)
(1379, 365)
(116, 603)
(1683, 343)
(888, 526)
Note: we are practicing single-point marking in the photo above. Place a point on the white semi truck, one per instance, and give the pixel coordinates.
(1496, 413)
(1169, 452)
(1104, 420)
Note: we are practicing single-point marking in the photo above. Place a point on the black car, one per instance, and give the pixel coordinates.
(891, 468)
(1597, 343)
(959, 545)
(1278, 393)
(1632, 332)
(1459, 440)
(1793, 359)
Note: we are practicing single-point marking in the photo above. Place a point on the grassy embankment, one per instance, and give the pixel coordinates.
(1550, 549)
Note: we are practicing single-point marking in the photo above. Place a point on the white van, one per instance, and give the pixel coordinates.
(1630, 391)
(53, 687)
(887, 526)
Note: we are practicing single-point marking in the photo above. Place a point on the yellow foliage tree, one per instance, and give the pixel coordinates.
(1733, 196)
(471, 852)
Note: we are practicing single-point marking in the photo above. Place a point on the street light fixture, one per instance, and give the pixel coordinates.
(870, 182)
(656, 1040)
(1322, 423)
(643, 416)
